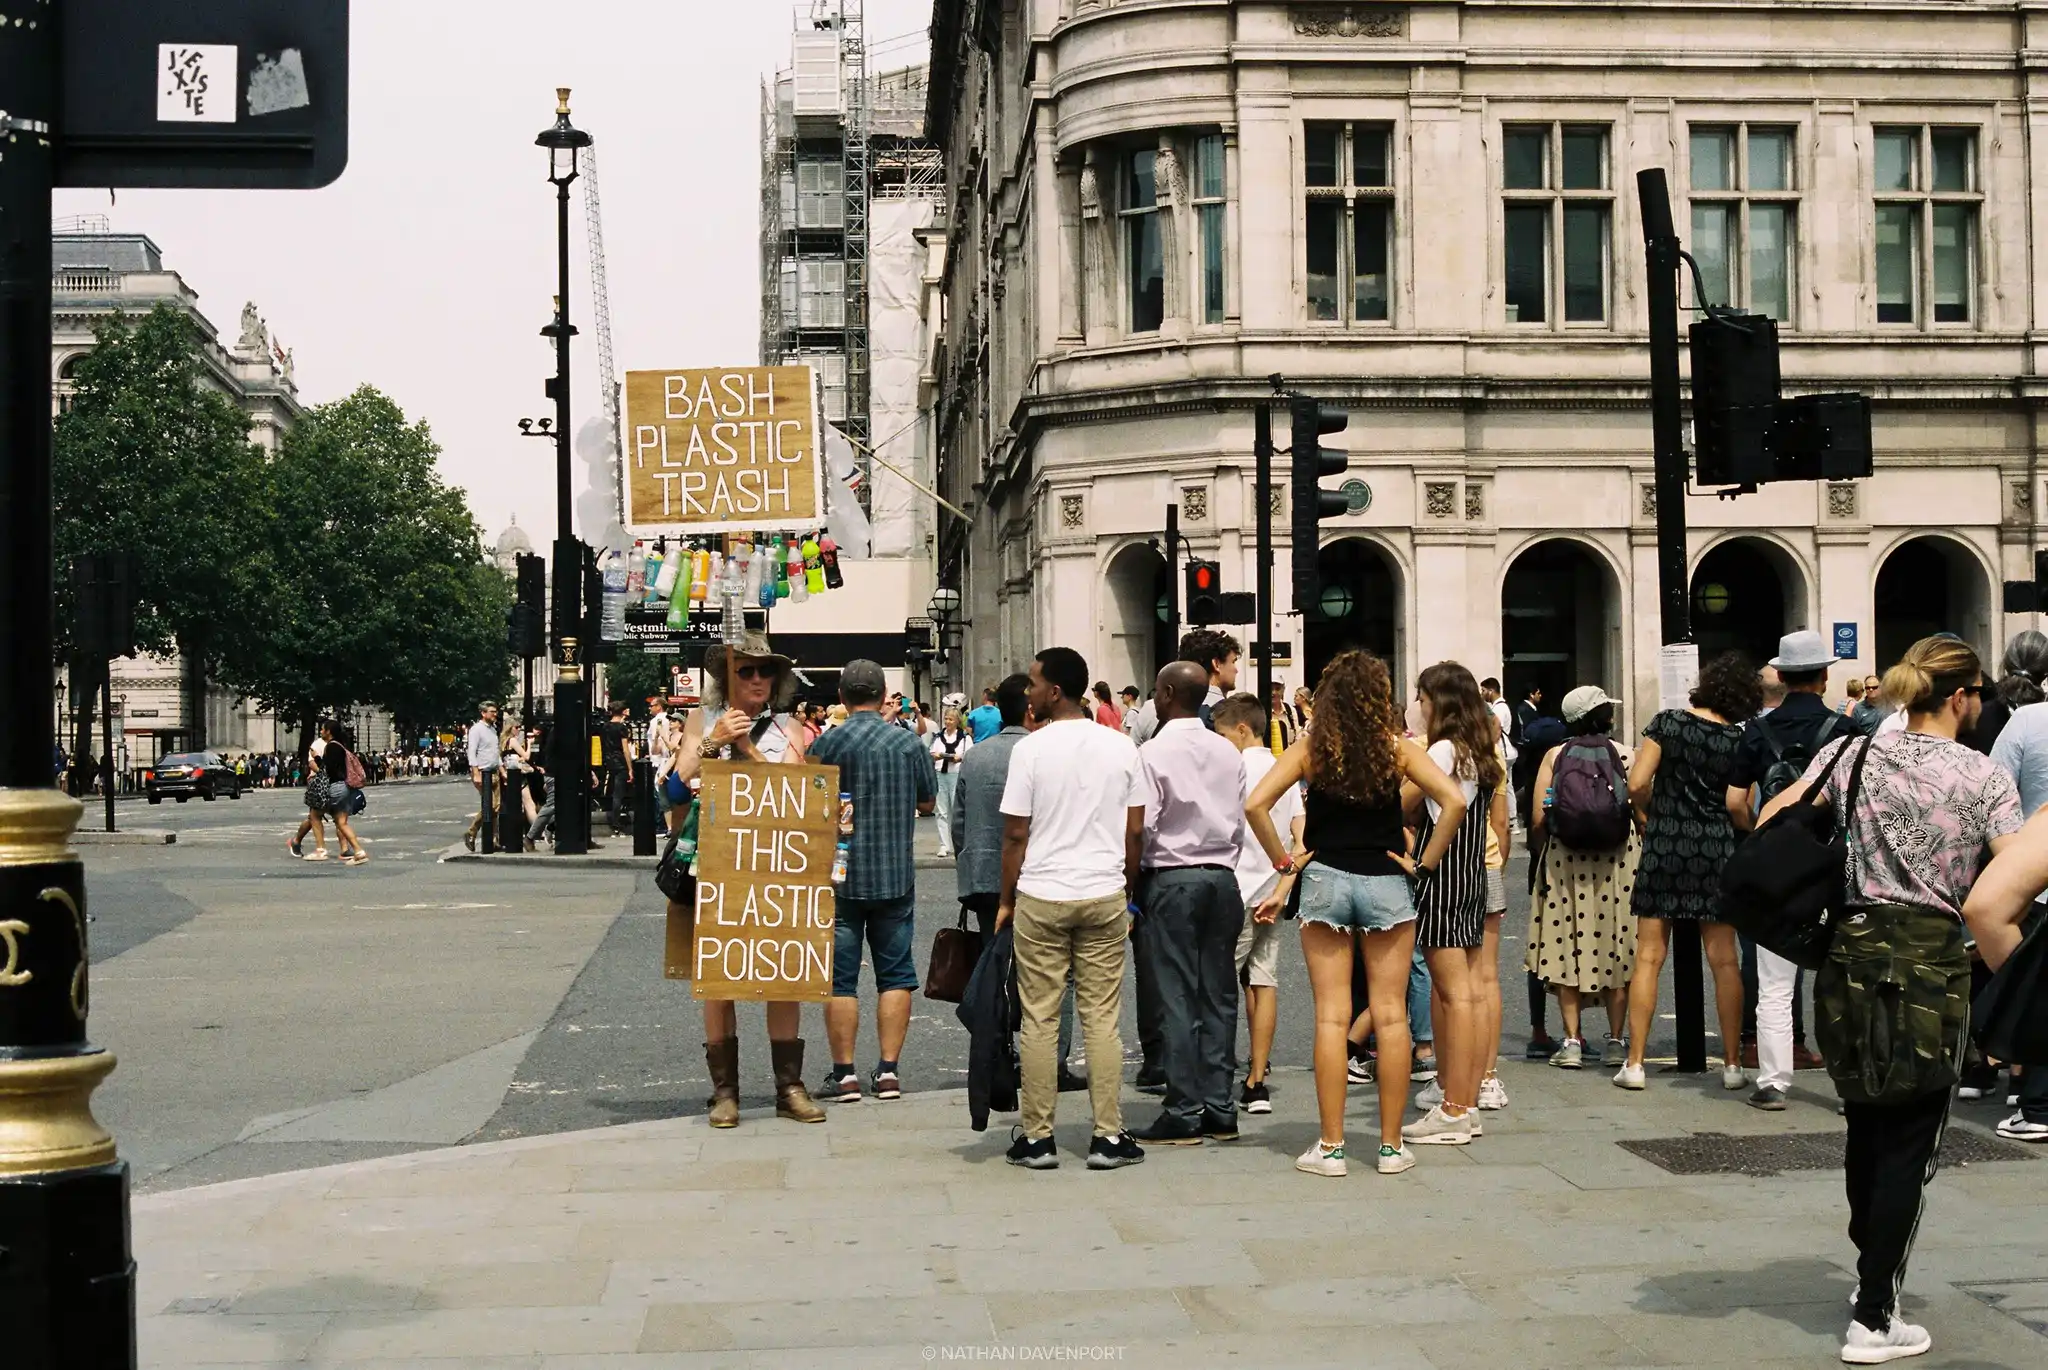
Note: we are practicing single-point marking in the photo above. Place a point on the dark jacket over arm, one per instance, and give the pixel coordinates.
(989, 1012)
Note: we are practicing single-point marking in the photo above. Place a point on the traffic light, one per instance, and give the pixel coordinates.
(1310, 504)
(527, 635)
(1744, 434)
(1734, 397)
(1203, 582)
(105, 584)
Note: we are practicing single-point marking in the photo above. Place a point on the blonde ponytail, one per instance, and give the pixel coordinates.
(1931, 670)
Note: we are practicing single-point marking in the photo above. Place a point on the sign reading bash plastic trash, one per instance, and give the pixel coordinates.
(765, 840)
(723, 450)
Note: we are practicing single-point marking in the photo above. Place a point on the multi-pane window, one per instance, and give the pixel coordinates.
(1928, 196)
(1209, 223)
(820, 193)
(821, 292)
(1349, 192)
(831, 382)
(1144, 249)
(1555, 222)
(1744, 216)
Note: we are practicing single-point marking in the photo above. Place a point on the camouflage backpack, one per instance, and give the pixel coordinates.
(1893, 1004)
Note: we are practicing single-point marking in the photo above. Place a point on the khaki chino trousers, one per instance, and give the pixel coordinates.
(1090, 936)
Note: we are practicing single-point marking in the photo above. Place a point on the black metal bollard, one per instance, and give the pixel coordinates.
(512, 812)
(487, 831)
(643, 808)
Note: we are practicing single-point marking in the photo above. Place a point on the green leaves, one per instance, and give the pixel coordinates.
(339, 571)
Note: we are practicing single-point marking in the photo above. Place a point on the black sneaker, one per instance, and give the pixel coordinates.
(1039, 1155)
(1256, 1098)
(1769, 1098)
(1422, 1069)
(1150, 1081)
(1541, 1047)
(1979, 1081)
(1220, 1127)
(1167, 1130)
(1070, 1082)
(1113, 1153)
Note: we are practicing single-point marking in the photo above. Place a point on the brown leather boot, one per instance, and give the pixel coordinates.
(792, 1100)
(723, 1058)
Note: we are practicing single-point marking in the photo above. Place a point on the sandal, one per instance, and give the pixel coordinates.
(319, 854)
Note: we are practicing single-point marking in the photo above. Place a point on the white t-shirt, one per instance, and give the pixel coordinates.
(1506, 716)
(1077, 782)
(1255, 873)
(1445, 754)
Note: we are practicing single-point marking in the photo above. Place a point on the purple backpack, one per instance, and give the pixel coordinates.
(1589, 796)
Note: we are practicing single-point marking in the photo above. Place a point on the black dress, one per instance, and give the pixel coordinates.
(1689, 838)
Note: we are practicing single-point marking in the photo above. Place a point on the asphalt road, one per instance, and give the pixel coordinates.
(271, 1013)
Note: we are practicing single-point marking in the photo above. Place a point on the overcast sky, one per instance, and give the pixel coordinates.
(429, 267)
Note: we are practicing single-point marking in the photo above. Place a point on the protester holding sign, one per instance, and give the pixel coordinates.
(754, 726)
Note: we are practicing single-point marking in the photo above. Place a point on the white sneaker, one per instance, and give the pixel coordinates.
(1438, 1128)
(1320, 1159)
(1357, 1072)
(2020, 1130)
(1395, 1159)
(1861, 1346)
(1430, 1095)
(1734, 1077)
(1629, 1077)
(1492, 1093)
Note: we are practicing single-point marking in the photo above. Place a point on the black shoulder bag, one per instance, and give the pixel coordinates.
(1785, 887)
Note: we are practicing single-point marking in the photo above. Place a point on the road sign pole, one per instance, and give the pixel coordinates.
(1172, 577)
(1667, 424)
(67, 1284)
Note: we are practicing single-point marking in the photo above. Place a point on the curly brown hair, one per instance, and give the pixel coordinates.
(1457, 712)
(1352, 742)
(1728, 685)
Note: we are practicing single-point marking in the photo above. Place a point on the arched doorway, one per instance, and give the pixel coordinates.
(1930, 585)
(1746, 594)
(1360, 606)
(1560, 622)
(1140, 641)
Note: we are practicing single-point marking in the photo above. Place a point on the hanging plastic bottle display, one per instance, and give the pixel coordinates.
(671, 571)
(814, 569)
(828, 558)
(636, 574)
(793, 572)
(651, 576)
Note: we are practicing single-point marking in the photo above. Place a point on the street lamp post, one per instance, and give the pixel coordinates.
(569, 757)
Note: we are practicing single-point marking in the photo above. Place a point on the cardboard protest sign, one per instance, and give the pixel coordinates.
(765, 908)
(723, 450)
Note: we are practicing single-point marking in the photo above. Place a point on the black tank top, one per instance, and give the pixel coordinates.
(1349, 836)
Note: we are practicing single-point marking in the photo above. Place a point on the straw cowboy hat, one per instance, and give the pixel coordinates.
(755, 646)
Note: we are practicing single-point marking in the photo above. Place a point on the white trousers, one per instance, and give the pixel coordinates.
(1776, 978)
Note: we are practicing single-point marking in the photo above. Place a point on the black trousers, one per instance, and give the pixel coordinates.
(1190, 920)
(1151, 1037)
(618, 785)
(1891, 1156)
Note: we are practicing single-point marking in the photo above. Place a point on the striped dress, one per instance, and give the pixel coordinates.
(1450, 905)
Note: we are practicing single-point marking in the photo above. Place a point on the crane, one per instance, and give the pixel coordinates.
(601, 312)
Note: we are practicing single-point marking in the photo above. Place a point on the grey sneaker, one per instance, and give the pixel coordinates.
(1571, 1055)
(1615, 1052)
(1770, 1099)
(1438, 1128)
(1430, 1095)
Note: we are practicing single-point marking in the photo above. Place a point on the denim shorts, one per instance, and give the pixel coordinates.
(1355, 903)
(887, 926)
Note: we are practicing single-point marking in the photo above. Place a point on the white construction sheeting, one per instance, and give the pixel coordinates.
(896, 262)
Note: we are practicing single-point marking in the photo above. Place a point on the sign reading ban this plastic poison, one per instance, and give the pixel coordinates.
(765, 838)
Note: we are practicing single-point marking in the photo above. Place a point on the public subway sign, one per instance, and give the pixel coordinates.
(727, 450)
(766, 835)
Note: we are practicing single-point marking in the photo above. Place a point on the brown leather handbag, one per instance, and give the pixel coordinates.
(955, 952)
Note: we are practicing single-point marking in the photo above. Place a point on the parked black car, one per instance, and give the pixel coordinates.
(189, 773)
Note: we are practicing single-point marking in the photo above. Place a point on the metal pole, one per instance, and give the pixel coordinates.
(107, 737)
(643, 807)
(570, 761)
(1262, 449)
(1173, 576)
(67, 1284)
(1667, 423)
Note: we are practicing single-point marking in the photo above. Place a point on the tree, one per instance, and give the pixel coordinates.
(380, 591)
(636, 675)
(151, 460)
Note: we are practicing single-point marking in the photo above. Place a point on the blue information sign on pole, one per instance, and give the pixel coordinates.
(1845, 641)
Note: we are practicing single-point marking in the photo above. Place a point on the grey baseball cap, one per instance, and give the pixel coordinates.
(862, 682)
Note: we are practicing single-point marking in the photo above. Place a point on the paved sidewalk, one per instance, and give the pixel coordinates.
(892, 1236)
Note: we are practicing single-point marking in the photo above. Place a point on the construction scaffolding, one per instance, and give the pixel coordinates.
(834, 141)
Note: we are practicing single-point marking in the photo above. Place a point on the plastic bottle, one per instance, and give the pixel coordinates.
(671, 571)
(770, 559)
(706, 575)
(636, 575)
(779, 563)
(828, 559)
(814, 570)
(650, 574)
(793, 573)
(612, 620)
(751, 568)
(686, 579)
(841, 856)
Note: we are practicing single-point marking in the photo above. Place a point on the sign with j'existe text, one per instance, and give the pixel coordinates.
(766, 835)
(724, 450)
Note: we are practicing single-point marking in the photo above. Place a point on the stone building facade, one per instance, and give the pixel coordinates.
(1425, 214)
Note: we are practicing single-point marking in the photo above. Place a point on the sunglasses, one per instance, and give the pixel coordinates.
(756, 672)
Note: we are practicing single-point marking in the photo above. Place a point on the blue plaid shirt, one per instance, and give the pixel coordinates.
(889, 773)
